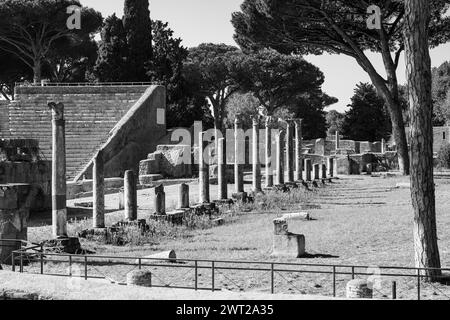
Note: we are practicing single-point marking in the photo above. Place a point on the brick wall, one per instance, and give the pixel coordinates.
(90, 112)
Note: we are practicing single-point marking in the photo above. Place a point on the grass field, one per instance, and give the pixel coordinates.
(357, 220)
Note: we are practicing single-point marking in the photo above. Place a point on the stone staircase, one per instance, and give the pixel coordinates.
(90, 113)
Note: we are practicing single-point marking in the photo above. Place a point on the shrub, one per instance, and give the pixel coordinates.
(443, 158)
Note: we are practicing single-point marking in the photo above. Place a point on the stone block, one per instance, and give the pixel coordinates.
(149, 179)
(176, 216)
(297, 216)
(9, 198)
(280, 226)
(242, 196)
(164, 256)
(151, 165)
(359, 289)
(288, 245)
(218, 222)
(139, 278)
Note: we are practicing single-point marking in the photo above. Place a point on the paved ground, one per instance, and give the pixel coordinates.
(61, 288)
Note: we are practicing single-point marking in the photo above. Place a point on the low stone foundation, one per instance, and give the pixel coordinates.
(359, 289)
(15, 204)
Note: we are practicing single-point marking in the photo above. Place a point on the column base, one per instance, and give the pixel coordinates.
(205, 209)
(256, 192)
(291, 185)
(240, 196)
(223, 202)
(304, 184)
(282, 188)
(70, 245)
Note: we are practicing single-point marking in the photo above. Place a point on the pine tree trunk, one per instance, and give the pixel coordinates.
(398, 130)
(37, 72)
(398, 126)
(418, 66)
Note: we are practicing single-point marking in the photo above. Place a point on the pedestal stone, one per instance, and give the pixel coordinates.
(285, 243)
(359, 289)
(15, 203)
(289, 246)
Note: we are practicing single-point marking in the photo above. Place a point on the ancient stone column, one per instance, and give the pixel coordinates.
(238, 154)
(280, 168)
(298, 150)
(59, 209)
(308, 169)
(316, 171)
(330, 167)
(130, 196)
(99, 191)
(324, 171)
(183, 196)
(203, 171)
(269, 155)
(160, 200)
(338, 140)
(222, 169)
(256, 163)
(289, 153)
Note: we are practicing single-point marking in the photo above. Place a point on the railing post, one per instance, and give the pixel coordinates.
(418, 284)
(85, 268)
(212, 276)
(272, 278)
(334, 281)
(42, 262)
(394, 290)
(196, 275)
(13, 262)
(353, 273)
(70, 265)
(140, 263)
(21, 262)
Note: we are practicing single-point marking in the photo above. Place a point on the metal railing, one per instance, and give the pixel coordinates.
(83, 84)
(97, 267)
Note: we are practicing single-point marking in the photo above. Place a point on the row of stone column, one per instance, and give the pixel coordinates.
(288, 153)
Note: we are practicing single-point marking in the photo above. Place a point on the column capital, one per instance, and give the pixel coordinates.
(57, 110)
(256, 120)
(290, 121)
(270, 121)
(237, 119)
(298, 121)
(281, 132)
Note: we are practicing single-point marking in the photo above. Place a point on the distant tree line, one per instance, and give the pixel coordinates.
(210, 82)
(367, 118)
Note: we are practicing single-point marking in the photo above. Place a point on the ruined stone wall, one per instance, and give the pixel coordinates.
(90, 112)
(134, 136)
(4, 118)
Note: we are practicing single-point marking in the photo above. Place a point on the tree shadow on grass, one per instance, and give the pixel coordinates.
(43, 218)
(318, 256)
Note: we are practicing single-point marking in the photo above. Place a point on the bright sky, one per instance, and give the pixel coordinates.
(199, 21)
